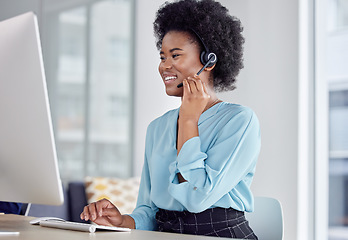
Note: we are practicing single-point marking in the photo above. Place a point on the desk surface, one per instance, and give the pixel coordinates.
(27, 231)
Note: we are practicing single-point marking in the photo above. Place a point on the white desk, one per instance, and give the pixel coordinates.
(27, 231)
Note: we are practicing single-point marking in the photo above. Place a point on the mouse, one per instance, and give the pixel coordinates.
(36, 221)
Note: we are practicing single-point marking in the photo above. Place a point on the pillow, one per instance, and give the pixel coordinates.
(123, 193)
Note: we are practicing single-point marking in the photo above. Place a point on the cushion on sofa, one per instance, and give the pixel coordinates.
(122, 193)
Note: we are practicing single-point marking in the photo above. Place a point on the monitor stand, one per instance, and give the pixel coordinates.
(27, 210)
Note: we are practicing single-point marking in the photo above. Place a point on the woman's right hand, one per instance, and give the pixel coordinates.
(103, 212)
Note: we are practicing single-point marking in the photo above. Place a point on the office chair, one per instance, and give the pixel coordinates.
(267, 219)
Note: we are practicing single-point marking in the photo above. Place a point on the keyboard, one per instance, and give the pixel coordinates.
(84, 227)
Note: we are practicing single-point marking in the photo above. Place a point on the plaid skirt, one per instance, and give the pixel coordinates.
(218, 222)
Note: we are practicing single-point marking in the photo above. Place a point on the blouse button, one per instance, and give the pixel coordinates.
(195, 188)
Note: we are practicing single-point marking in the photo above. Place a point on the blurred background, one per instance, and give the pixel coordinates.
(104, 89)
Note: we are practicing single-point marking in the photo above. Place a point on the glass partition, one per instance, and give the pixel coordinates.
(337, 82)
(88, 53)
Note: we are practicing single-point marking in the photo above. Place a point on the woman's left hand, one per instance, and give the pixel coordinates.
(194, 102)
(195, 99)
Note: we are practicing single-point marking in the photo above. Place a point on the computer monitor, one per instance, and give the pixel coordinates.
(28, 160)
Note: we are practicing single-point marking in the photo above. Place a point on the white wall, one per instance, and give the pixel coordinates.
(151, 100)
(268, 84)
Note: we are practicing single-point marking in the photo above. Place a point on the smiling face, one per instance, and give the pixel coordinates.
(180, 58)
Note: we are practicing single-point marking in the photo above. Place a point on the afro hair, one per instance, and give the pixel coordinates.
(220, 32)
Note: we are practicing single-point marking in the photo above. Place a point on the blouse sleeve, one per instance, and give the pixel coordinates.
(145, 211)
(212, 174)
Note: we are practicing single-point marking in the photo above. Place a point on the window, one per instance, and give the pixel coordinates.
(87, 48)
(337, 88)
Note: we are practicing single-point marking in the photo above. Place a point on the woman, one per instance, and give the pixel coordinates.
(199, 159)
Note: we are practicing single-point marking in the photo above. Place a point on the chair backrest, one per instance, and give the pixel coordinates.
(267, 219)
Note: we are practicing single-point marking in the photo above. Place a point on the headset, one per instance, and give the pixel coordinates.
(208, 59)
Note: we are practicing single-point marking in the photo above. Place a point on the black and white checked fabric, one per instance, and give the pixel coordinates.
(219, 222)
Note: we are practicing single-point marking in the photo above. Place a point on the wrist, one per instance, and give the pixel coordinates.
(127, 222)
(188, 120)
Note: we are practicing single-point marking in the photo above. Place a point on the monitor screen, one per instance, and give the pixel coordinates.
(28, 160)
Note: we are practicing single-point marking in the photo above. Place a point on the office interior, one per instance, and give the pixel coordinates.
(286, 80)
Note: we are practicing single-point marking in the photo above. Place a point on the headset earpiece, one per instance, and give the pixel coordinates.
(208, 57)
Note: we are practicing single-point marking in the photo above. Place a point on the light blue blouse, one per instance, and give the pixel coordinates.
(218, 165)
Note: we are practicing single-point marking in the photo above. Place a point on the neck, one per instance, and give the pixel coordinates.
(213, 98)
(211, 103)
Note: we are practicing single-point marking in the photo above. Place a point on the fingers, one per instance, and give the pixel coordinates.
(89, 212)
(200, 86)
(95, 210)
(99, 209)
(205, 88)
(194, 85)
(85, 214)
